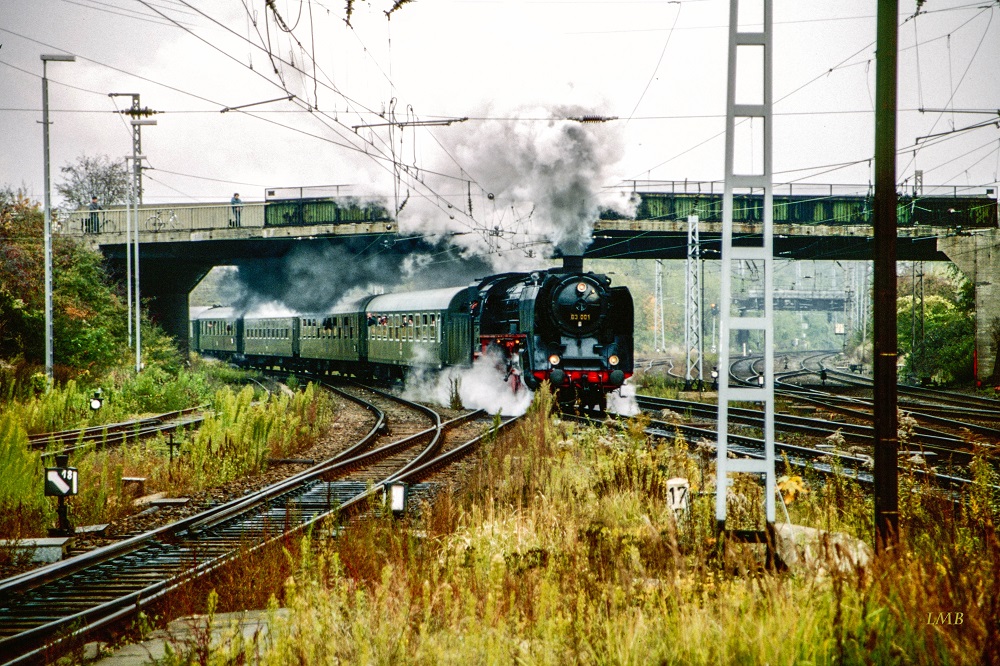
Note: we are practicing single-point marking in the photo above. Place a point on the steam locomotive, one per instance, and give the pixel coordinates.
(565, 326)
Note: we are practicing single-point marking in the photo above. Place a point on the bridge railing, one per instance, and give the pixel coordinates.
(800, 189)
(966, 211)
(160, 218)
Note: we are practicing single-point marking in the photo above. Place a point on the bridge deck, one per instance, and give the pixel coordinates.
(805, 214)
(170, 223)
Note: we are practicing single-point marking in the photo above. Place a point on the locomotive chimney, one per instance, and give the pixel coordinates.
(572, 263)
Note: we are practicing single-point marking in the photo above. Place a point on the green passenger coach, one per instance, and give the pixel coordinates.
(336, 339)
(429, 329)
(271, 337)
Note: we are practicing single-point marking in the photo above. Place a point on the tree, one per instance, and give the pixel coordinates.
(946, 337)
(88, 316)
(94, 177)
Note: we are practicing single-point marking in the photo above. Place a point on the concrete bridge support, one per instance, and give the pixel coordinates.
(167, 284)
(165, 287)
(977, 255)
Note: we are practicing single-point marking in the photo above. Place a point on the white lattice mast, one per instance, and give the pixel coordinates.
(743, 46)
(692, 306)
(659, 336)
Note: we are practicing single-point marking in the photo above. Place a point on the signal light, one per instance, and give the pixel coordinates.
(613, 359)
(554, 359)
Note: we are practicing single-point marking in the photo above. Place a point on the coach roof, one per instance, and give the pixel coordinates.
(456, 299)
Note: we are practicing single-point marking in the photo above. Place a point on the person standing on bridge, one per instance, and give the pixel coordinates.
(93, 224)
(237, 208)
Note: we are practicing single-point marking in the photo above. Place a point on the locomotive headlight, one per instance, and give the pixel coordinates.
(613, 359)
(581, 287)
(554, 359)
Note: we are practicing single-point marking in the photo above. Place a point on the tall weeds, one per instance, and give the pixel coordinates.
(22, 505)
(560, 549)
(234, 442)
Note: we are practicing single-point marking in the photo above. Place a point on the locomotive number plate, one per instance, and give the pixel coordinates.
(579, 317)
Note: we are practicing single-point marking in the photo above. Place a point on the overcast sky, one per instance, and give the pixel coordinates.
(510, 67)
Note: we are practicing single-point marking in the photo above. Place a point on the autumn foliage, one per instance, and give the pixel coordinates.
(88, 315)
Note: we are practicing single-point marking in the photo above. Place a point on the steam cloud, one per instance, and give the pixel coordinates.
(536, 161)
(546, 175)
(483, 386)
(623, 401)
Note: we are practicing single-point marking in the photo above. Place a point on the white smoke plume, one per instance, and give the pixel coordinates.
(545, 176)
(483, 386)
(623, 401)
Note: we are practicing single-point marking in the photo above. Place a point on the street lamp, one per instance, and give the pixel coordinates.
(137, 170)
(48, 211)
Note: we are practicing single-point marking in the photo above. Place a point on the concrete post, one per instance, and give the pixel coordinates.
(978, 257)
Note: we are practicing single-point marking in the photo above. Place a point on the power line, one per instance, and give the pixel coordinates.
(131, 13)
(658, 63)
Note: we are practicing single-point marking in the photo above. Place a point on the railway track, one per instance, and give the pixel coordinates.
(946, 453)
(46, 611)
(116, 434)
(947, 442)
(824, 459)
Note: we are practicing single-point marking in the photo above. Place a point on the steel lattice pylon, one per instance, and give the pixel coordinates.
(693, 307)
(659, 336)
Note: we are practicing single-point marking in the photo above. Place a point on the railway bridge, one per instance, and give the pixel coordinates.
(181, 243)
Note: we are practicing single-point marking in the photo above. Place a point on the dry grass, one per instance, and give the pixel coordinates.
(560, 550)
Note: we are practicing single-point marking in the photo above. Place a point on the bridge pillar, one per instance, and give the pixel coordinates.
(167, 285)
(978, 257)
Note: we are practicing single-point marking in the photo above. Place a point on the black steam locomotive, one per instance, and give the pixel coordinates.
(565, 326)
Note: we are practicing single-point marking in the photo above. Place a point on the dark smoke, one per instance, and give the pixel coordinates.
(315, 277)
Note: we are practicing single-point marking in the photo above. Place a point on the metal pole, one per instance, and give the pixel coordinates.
(138, 334)
(48, 214)
(659, 336)
(128, 257)
(135, 111)
(913, 319)
(136, 177)
(885, 420)
(692, 306)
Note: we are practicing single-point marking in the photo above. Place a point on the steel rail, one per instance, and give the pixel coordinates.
(191, 547)
(41, 440)
(32, 643)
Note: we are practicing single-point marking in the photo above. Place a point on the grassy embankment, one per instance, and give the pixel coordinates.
(243, 430)
(561, 550)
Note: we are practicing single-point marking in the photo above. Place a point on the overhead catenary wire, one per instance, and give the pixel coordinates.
(954, 89)
(659, 62)
(123, 11)
(842, 64)
(390, 159)
(299, 110)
